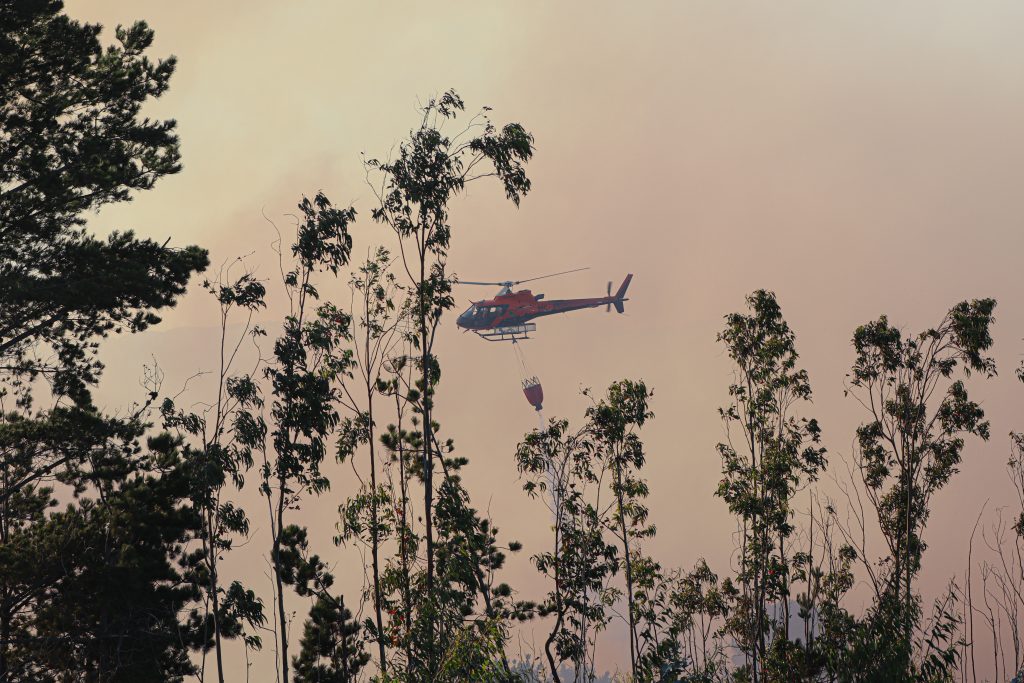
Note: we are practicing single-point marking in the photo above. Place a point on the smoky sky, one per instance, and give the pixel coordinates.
(857, 158)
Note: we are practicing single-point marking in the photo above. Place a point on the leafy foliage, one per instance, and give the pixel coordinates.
(776, 454)
(308, 356)
(920, 414)
(414, 188)
(71, 141)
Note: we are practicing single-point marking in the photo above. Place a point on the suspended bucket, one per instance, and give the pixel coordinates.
(534, 392)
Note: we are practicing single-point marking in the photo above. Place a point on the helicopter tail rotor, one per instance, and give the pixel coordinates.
(620, 296)
(608, 308)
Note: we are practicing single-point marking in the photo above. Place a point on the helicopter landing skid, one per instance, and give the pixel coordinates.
(512, 333)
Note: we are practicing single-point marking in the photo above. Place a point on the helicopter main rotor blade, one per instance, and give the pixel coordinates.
(564, 272)
(511, 283)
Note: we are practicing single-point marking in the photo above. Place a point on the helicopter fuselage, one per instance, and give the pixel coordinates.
(511, 309)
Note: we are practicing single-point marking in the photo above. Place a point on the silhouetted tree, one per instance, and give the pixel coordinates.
(308, 356)
(378, 316)
(72, 141)
(332, 644)
(223, 437)
(920, 414)
(563, 469)
(331, 651)
(414, 189)
(777, 453)
(613, 423)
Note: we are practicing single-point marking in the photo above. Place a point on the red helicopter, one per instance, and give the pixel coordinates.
(506, 317)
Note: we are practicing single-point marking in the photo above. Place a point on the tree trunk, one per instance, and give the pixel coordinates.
(280, 583)
(428, 458)
(216, 598)
(629, 570)
(374, 537)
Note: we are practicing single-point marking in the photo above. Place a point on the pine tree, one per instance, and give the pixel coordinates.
(71, 141)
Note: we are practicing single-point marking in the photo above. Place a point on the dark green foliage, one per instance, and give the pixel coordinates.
(776, 454)
(920, 414)
(562, 469)
(71, 141)
(100, 588)
(308, 357)
(414, 188)
(613, 422)
(103, 592)
(331, 651)
(223, 439)
(331, 646)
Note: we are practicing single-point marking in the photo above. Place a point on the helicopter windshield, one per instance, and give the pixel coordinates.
(478, 316)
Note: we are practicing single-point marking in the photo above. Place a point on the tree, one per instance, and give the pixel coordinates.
(777, 452)
(307, 360)
(1001, 605)
(330, 649)
(679, 618)
(72, 141)
(920, 413)
(332, 645)
(224, 434)
(562, 469)
(377, 335)
(103, 578)
(414, 190)
(613, 423)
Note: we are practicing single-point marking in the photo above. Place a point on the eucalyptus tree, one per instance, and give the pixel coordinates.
(467, 614)
(414, 189)
(401, 445)
(774, 453)
(307, 358)
(562, 469)
(220, 440)
(919, 417)
(613, 423)
(379, 312)
(679, 617)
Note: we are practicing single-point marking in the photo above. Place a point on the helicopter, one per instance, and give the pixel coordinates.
(506, 317)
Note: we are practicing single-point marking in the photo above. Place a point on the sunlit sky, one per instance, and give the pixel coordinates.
(857, 158)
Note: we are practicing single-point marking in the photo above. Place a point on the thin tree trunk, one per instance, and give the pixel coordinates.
(280, 583)
(403, 543)
(756, 640)
(375, 550)
(428, 459)
(629, 570)
(5, 614)
(559, 610)
(216, 600)
(5, 606)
